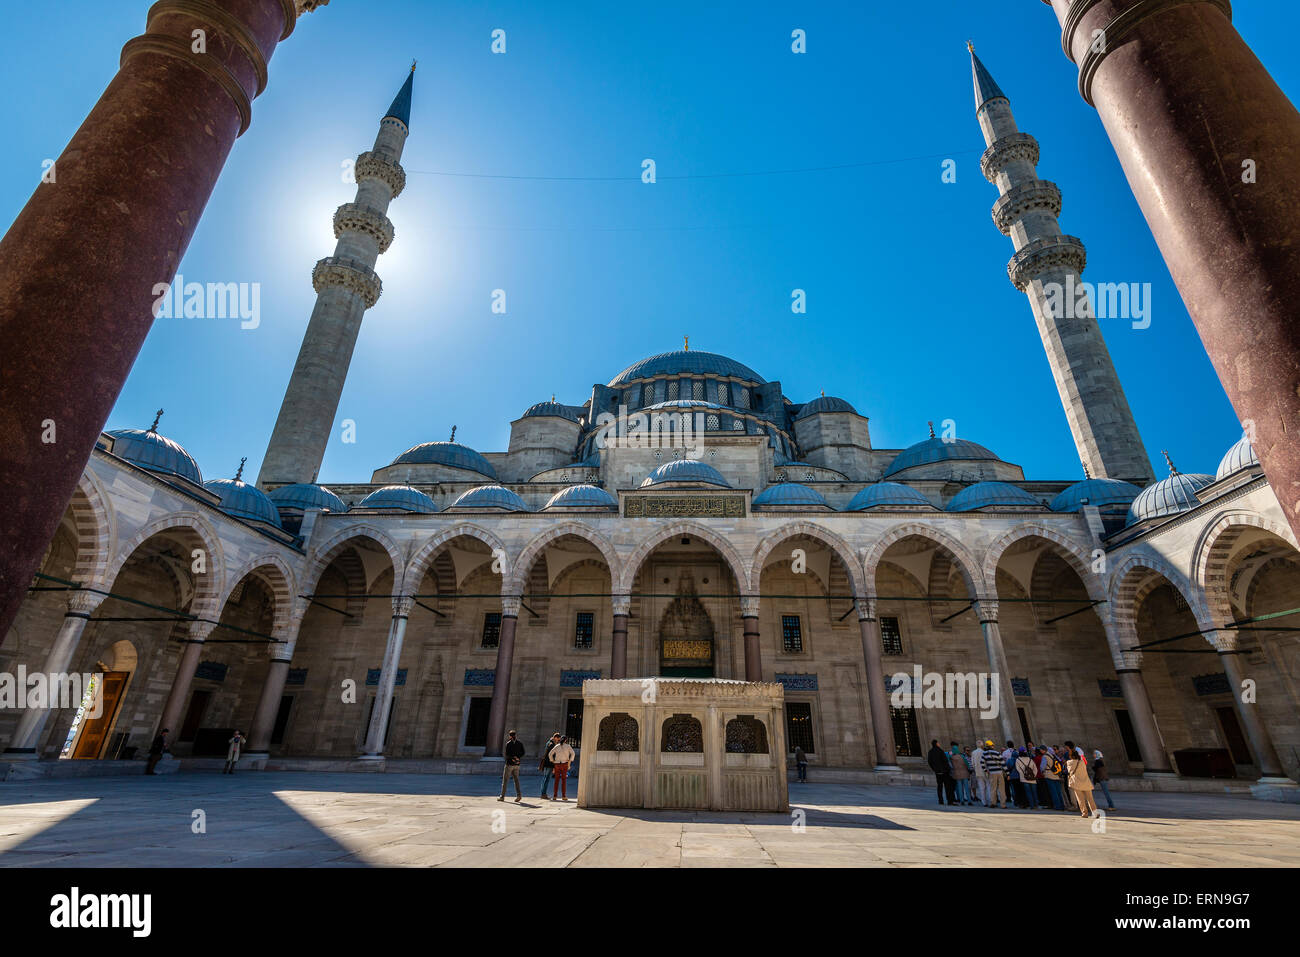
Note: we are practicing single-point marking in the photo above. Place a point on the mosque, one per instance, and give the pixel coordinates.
(685, 518)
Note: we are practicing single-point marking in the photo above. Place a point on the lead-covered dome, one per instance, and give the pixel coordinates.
(1107, 494)
(550, 408)
(992, 495)
(305, 495)
(685, 470)
(154, 452)
(935, 449)
(788, 494)
(451, 454)
(490, 496)
(402, 497)
(241, 500)
(1240, 456)
(887, 495)
(825, 403)
(683, 362)
(1168, 496)
(581, 496)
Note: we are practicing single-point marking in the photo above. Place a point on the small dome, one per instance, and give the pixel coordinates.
(886, 495)
(685, 470)
(151, 451)
(581, 496)
(401, 497)
(551, 408)
(987, 494)
(1168, 496)
(784, 494)
(241, 500)
(935, 449)
(825, 403)
(490, 496)
(1240, 456)
(452, 454)
(305, 495)
(1109, 495)
(682, 362)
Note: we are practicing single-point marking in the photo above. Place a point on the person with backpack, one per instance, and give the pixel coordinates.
(942, 769)
(1024, 771)
(1050, 770)
(1100, 776)
(996, 771)
(1067, 796)
(960, 773)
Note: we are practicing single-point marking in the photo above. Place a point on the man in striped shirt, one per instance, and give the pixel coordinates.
(995, 767)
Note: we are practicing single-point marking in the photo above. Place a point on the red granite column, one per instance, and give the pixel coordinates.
(1210, 146)
(496, 729)
(753, 658)
(622, 604)
(79, 265)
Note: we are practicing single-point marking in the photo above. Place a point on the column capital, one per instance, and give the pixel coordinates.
(749, 606)
(1127, 660)
(402, 605)
(987, 610)
(510, 605)
(83, 603)
(1224, 642)
(199, 630)
(622, 604)
(866, 608)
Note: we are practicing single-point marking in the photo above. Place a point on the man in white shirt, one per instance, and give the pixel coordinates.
(981, 776)
(562, 756)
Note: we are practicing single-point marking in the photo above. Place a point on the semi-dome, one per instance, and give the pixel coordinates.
(551, 408)
(685, 470)
(490, 496)
(1105, 493)
(305, 495)
(581, 496)
(886, 495)
(825, 403)
(151, 451)
(683, 362)
(672, 404)
(991, 494)
(784, 494)
(399, 496)
(241, 500)
(936, 449)
(1168, 496)
(451, 454)
(1240, 456)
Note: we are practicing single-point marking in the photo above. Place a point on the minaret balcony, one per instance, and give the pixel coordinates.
(372, 165)
(1046, 255)
(362, 219)
(1006, 149)
(1020, 199)
(347, 274)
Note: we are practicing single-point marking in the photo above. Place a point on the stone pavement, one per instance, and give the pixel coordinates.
(295, 819)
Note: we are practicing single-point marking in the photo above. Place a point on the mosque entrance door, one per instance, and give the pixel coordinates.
(93, 734)
(685, 635)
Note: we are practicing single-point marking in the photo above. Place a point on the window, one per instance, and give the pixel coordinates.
(891, 638)
(697, 389)
(648, 393)
(573, 721)
(476, 722)
(791, 635)
(583, 629)
(742, 396)
(491, 629)
(798, 726)
(722, 394)
(907, 738)
(711, 422)
(673, 386)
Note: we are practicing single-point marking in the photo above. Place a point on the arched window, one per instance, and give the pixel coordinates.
(746, 735)
(683, 734)
(618, 732)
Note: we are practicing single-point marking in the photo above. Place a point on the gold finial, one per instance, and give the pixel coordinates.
(412, 66)
(823, 393)
(1169, 462)
(552, 396)
(969, 46)
(687, 343)
(931, 425)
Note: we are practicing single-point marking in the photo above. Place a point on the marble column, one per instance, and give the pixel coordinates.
(1252, 723)
(174, 710)
(1155, 761)
(1008, 720)
(496, 731)
(882, 726)
(1210, 145)
(749, 616)
(268, 704)
(622, 604)
(108, 223)
(373, 749)
(26, 741)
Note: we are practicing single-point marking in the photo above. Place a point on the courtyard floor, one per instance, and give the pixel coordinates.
(297, 819)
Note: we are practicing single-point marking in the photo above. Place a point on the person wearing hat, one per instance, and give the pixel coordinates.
(514, 754)
(546, 765)
(996, 769)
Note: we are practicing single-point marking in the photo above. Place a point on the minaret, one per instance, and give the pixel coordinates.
(346, 286)
(1099, 416)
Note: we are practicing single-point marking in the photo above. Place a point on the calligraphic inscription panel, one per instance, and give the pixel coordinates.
(684, 506)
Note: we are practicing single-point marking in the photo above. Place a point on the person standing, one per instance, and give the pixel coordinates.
(942, 769)
(232, 752)
(1100, 776)
(545, 765)
(1079, 784)
(960, 773)
(514, 754)
(1024, 772)
(561, 757)
(156, 750)
(981, 775)
(1050, 770)
(996, 771)
(1067, 795)
(801, 762)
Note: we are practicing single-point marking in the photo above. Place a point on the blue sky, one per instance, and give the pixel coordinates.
(910, 314)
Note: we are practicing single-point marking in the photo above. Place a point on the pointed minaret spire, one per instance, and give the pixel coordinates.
(157, 416)
(346, 286)
(1047, 267)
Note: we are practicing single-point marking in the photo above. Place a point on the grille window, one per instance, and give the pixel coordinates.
(697, 389)
(738, 425)
(791, 634)
(711, 423)
(742, 397)
(648, 394)
(722, 394)
(891, 638)
(491, 629)
(673, 387)
(583, 629)
(907, 739)
(798, 726)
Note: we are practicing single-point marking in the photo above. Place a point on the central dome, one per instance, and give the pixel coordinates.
(451, 454)
(685, 470)
(683, 362)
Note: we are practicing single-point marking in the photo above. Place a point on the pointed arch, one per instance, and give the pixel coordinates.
(279, 580)
(93, 522)
(720, 544)
(331, 547)
(418, 566)
(966, 564)
(1209, 568)
(828, 538)
(1068, 549)
(1137, 576)
(207, 586)
(520, 568)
